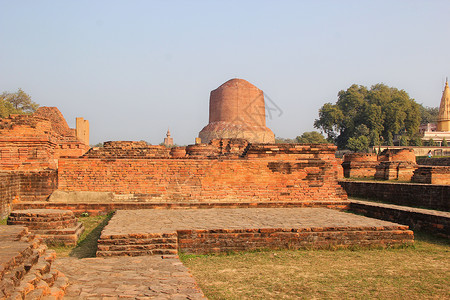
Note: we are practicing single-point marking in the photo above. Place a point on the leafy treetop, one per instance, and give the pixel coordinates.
(365, 117)
(16, 103)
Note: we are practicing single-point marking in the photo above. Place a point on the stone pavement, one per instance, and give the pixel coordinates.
(144, 277)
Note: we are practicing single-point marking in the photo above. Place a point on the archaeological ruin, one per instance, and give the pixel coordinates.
(235, 189)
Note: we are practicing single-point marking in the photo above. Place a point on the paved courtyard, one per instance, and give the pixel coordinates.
(143, 277)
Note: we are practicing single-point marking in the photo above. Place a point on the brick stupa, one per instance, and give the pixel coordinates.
(237, 110)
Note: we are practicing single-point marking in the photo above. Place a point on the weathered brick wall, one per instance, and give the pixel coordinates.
(206, 180)
(397, 155)
(432, 175)
(432, 221)
(9, 190)
(359, 169)
(230, 240)
(410, 194)
(25, 186)
(395, 170)
(37, 185)
(434, 161)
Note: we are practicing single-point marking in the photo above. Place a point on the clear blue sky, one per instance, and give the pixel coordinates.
(135, 68)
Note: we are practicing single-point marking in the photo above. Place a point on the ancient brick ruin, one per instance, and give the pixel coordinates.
(36, 142)
(237, 110)
(222, 171)
(30, 146)
(398, 164)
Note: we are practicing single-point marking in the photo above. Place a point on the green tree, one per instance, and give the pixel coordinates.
(390, 140)
(311, 137)
(431, 142)
(378, 113)
(404, 141)
(416, 140)
(16, 103)
(359, 144)
(444, 143)
(429, 114)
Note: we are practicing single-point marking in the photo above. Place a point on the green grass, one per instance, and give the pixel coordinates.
(3, 221)
(87, 244)
(418, 272)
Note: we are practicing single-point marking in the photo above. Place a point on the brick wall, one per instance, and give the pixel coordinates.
(420, 195)
(38, 185)
(434, 161)
(432, 175)
(9, 190)
(25, 186)
(230, 240)
(205, 180)
(432, 221)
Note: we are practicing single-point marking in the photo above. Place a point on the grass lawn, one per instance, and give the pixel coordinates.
(417, 272)
(87, 244)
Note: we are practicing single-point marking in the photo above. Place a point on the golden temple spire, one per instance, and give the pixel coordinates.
(443, 123)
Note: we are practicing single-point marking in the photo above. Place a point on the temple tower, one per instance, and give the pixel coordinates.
(237, 110)
(168, 141)
(443, 123)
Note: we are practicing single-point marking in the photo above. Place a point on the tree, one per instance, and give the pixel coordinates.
(431, 142)
(311, 137)
(280, 140)
(416, 140)
(376, 113)
(429, 114)
(16, 103)
(359, 144)
(444, 143)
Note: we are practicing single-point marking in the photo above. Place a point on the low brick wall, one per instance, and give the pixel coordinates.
(9, 190)
(230, 240)
(434, 161)
(410, 194)
(432, 175)
(436, 222)
(206, 180)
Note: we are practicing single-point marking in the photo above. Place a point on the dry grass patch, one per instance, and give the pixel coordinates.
(417, 272)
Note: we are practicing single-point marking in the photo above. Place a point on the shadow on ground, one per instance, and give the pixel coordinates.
(88, 246)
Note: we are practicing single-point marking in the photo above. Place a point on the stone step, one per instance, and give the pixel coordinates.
(136, 247)
(162, 252)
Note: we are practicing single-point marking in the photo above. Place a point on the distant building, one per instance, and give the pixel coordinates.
(442, 130)
(168, 141)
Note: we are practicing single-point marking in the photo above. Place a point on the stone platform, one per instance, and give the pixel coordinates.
(165, 232)
(54, 226)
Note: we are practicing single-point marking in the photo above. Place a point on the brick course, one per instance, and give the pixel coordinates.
(409, 194)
